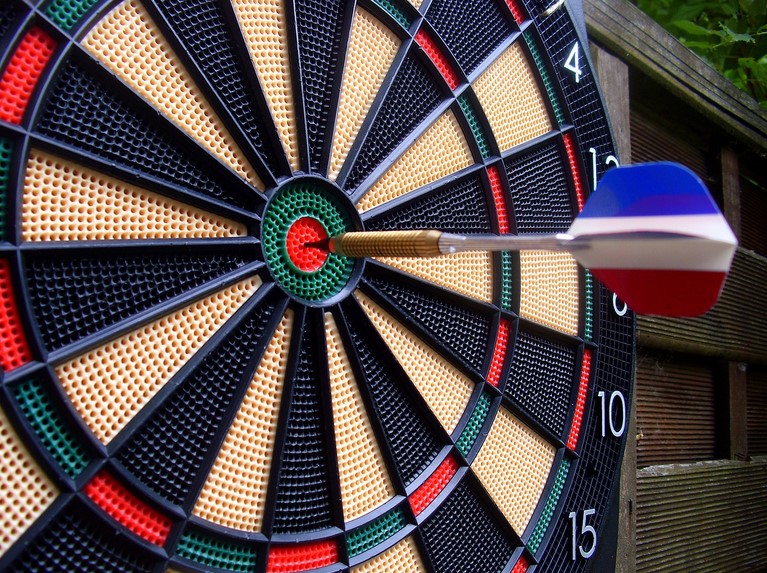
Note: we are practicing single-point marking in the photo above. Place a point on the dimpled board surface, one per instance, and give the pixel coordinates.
(190, 383)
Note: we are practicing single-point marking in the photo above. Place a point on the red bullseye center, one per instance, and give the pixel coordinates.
(302, 233)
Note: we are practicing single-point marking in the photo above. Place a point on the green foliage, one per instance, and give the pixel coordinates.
(730, 34)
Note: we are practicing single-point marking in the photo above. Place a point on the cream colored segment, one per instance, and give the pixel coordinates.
(513, 466)
(64, 201)
(371, 50)
(129, 43)
(416, 3)
(549, 292)
(234, 494)
(441, 151)
(469, 273)
(402, 558)
(365, 484)
(445, 389)
(111, 383)
(264, 26)
(25, 491)
(508, 93)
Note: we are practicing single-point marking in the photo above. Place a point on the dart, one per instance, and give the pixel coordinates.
(650, 232)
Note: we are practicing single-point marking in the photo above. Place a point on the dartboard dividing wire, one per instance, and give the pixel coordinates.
(186, 386)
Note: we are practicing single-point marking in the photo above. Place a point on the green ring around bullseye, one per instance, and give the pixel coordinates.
(306, 197)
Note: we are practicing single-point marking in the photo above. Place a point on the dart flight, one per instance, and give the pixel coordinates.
(650, 232)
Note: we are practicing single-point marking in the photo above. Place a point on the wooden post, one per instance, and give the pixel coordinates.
(731, 189)
(738, 426)
(737, 429)
(613, 76)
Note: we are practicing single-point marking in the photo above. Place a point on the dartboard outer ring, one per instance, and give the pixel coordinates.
(185, 387)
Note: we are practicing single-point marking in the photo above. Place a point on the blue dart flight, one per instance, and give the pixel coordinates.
(650, 232)
(657, 239)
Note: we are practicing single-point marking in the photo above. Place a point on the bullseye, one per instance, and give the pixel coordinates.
(303, 213)
(302, 233)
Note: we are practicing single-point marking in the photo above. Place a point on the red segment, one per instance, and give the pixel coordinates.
(521, 565)
(500, 200)
(14, 350)
(127, 509)
(580, 404)
(664, 292)
(306, 230)
(516, 11)
(431, 49)
(432, 487)
(286, 559)
(575, 169)
(499, 354)
(23, 71)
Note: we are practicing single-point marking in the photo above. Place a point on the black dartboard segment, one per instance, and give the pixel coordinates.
(185, 385)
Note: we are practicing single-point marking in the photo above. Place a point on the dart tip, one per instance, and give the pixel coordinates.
(322, 244)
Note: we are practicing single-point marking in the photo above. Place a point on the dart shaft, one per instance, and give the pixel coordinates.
(430, 243)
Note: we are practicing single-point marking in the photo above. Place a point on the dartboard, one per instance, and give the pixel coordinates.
(190, 382)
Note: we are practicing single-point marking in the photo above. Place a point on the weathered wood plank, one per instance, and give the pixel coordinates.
(645, 45)
(702, 517)
(735, 329)
(676, 413)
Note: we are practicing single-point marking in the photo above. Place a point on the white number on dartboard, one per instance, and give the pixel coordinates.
(610, 161)
(613, 412)
(619, 307)
(584, 542)
(573, 64)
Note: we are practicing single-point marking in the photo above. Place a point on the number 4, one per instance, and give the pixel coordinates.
(572, 64)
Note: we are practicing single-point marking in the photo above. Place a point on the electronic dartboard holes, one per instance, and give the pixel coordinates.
(181, 392)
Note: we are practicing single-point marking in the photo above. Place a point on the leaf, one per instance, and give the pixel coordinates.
(694, 29)
(754, 10)
(700, 47)
(689, 12)
(731, 36)
(756, 68)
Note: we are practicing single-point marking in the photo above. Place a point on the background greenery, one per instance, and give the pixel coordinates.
(730, 34)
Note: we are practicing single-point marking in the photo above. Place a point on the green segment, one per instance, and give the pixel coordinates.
(545, 77)
(202, 549)
(66, 13)
(472, 429)
(395, 13)
(506, 280)
(374, 533)
(5, 169)
(548, 511)
(39, 410)
(476, 128)
(304, 199)
(589, 322)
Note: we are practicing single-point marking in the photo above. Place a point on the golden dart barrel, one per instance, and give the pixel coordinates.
(387, 244)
